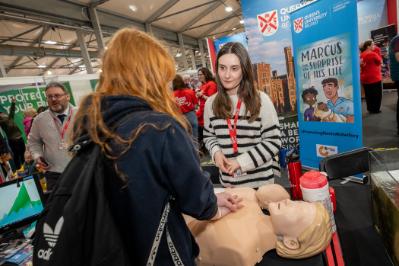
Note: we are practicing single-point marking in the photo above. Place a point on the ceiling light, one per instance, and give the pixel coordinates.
(133, 8)
(49, 72)
(233, 28)
(228, 9)
(50, 42)
(178, 54)
(82, 66)
(41, 66)
(241, 21)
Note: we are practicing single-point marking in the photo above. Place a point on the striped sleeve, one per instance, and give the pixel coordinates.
(270, 144)
(210, 138)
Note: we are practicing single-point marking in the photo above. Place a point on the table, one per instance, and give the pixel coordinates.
(360, 242)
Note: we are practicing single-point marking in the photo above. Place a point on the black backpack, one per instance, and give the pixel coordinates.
(77, 227)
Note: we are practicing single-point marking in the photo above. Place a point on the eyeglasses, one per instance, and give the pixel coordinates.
(55, 96)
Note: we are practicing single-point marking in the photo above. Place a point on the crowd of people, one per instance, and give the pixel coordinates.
(156, 149)
(15, 157)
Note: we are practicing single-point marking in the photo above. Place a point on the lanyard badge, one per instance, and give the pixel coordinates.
(64, 127)
(233, 128)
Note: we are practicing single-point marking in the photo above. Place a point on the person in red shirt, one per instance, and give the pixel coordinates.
(370, 76)
(208, 88)
(187, 101)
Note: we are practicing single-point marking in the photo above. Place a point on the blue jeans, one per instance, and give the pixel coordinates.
(192, 118)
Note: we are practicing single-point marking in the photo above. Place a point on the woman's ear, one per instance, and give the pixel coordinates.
(291, 242)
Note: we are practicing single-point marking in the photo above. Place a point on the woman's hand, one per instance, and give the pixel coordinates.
(226, 203)
(221, 161)
(233, 166)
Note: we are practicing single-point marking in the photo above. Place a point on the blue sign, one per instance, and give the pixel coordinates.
(268, 29)
(240, 37)
(326, 55)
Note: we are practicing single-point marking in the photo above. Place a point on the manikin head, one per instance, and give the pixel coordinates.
(303, 229)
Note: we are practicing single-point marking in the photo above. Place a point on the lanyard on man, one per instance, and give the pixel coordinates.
(63, 130)
(233, 130)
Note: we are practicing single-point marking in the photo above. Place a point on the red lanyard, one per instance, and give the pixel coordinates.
(65, 127)
(233, 131)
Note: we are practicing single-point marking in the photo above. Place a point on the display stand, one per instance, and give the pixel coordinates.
(384, 170)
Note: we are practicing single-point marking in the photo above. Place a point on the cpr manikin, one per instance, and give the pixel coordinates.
(296, 229)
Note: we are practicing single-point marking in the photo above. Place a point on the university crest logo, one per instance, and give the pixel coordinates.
(298, 25)
(268, 22)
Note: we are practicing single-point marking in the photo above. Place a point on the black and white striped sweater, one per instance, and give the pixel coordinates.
(258, 143)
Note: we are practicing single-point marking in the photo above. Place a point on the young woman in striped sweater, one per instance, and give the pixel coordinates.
(241, 128)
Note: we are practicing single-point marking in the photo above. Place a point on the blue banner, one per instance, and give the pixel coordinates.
(325, 41)
(268, 29)
(240, 37)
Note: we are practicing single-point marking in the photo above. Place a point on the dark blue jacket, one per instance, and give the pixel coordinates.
(162, 162)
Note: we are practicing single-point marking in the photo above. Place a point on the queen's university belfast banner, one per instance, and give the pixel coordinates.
(325, 44)
(268, 29)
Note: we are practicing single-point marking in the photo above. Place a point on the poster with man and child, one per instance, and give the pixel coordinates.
(325, 80)
(326, 56)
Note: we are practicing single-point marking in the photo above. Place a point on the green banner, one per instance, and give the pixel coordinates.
(26, 97)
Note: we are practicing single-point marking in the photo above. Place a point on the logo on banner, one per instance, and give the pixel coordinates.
(324, 150)
(268, 22)
(298, 25)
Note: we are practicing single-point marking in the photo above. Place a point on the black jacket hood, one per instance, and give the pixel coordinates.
(114, 108)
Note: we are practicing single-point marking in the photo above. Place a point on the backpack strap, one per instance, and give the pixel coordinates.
(155, 245)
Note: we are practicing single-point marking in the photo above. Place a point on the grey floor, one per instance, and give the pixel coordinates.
(379, 130)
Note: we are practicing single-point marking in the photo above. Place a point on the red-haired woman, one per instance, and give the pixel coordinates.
(135, 121)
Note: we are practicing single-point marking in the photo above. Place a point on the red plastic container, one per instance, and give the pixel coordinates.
(294, 174)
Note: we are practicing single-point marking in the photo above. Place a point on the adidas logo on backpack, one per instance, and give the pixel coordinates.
(51, 237)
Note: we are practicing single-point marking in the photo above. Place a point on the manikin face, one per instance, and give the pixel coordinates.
(201, 77)
(291, 218)
(57, 99)
(230, 72)
(330, 90)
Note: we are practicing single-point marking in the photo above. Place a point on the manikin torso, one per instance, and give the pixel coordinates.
(219, 246)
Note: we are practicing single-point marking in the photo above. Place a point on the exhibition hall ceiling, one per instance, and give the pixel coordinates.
(40, 37)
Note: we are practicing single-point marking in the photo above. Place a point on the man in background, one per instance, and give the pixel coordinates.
(394, 68)
(48, 137)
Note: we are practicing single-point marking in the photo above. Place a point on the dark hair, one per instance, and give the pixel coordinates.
(310, 90)
(208, 75)
(178, 83)
(367, 44)
(246, 91)
(330, 80)
(55, 84)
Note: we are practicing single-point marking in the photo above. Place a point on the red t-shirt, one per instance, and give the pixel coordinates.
(186, 100)
(370, 67)
(208, 89)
